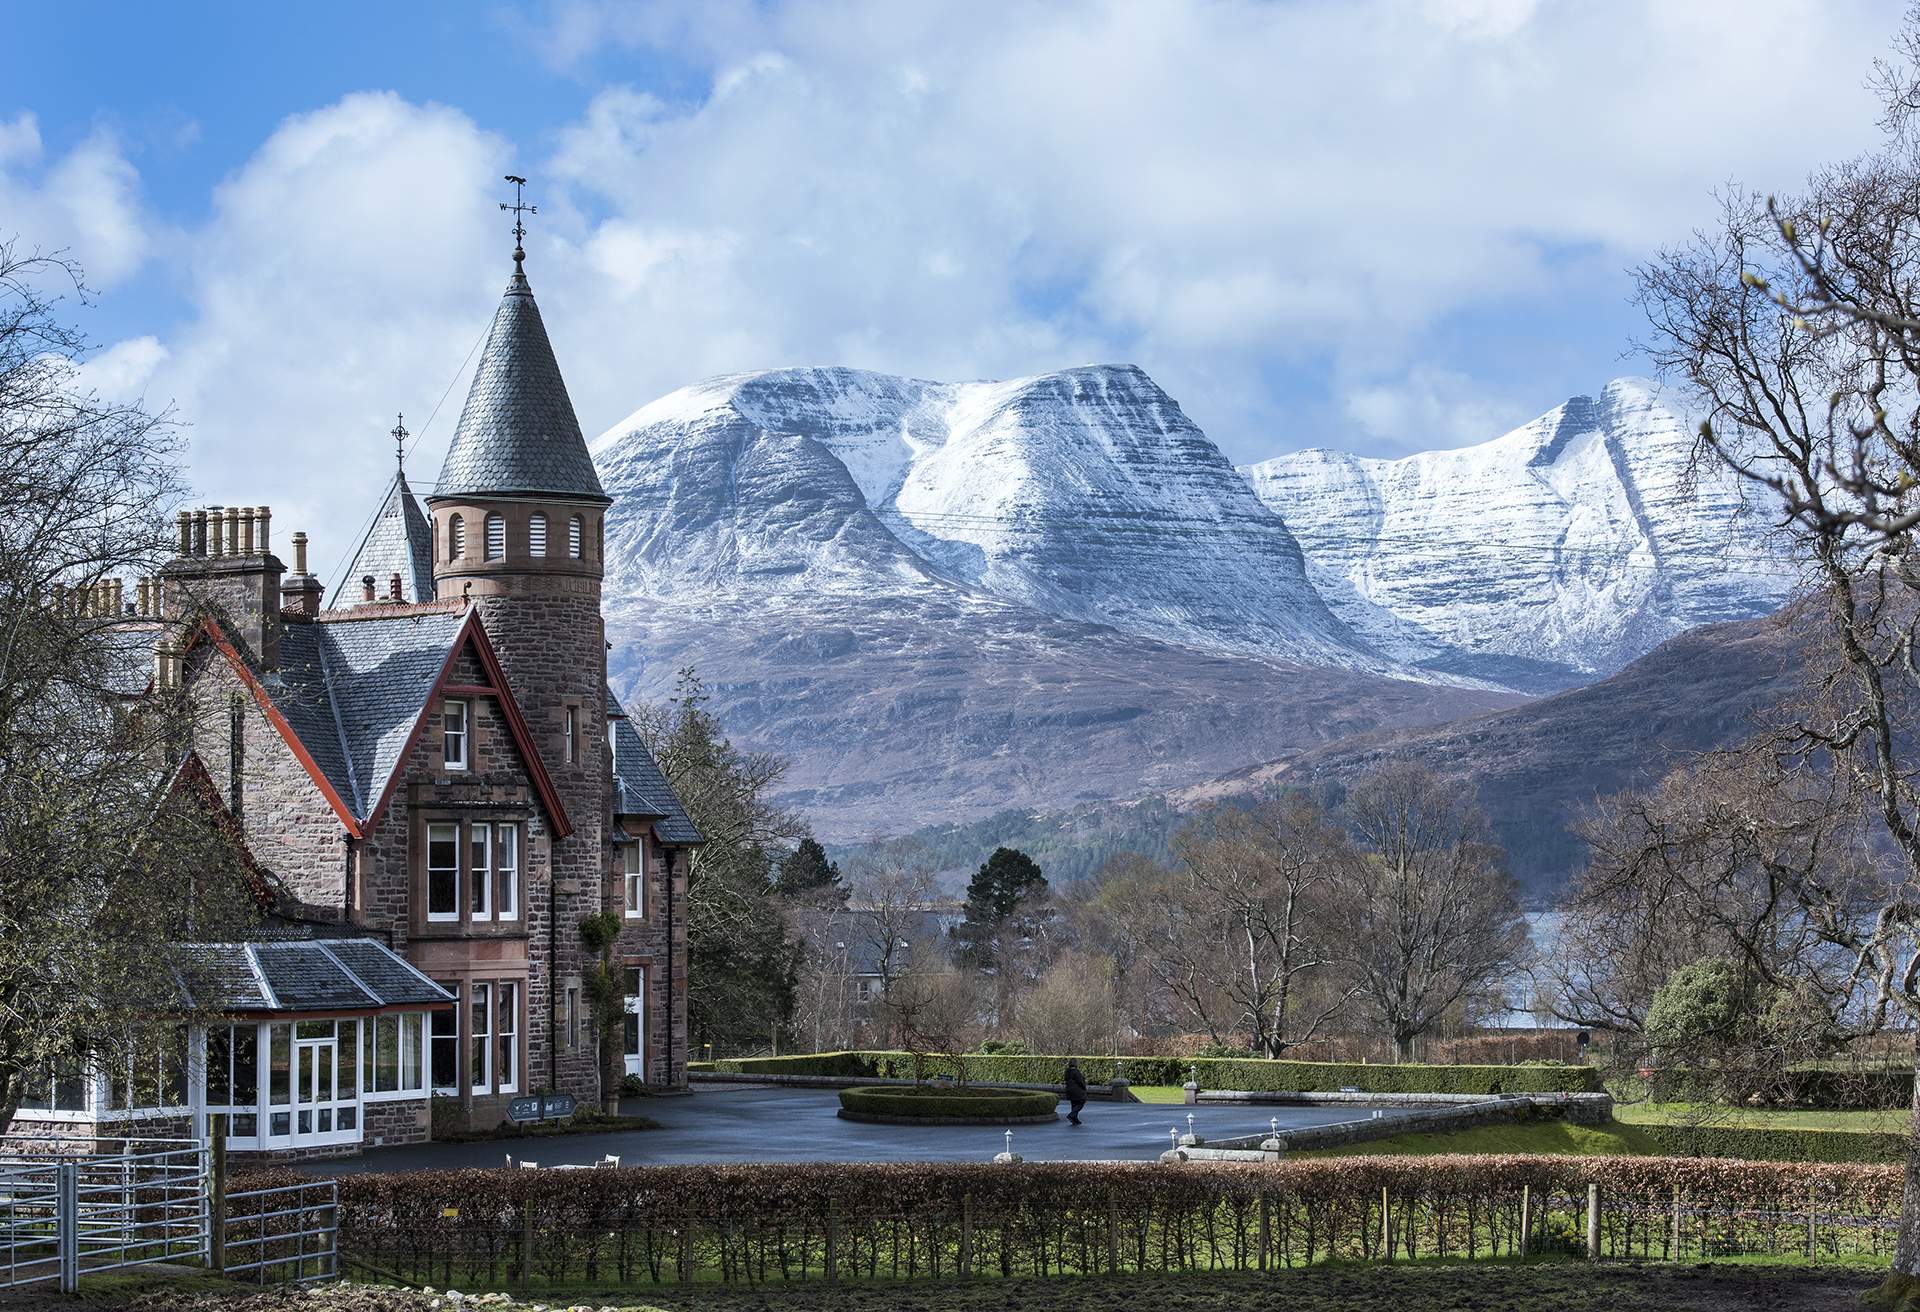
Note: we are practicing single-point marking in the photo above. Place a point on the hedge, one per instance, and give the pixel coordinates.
(1822, 1090)
(479, 1229)
(1248, 1074)
(969, 1104)
(1775, 1145)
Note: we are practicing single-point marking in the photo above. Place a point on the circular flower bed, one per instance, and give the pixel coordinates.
(930, 1104)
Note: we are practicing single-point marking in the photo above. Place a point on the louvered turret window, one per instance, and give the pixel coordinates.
(496, 537)
(537, 535)
(573, 537)
(457, 537)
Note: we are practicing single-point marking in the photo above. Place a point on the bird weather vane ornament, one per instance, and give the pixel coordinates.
(520, 211)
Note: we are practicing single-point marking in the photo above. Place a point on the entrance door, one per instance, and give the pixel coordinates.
(636, 1027)
(313, 1086)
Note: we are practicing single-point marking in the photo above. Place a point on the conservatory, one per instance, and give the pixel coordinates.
(320, 1048)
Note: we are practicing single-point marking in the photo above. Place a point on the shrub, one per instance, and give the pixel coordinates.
(1256, 1075)
(935, 1104)
(1756, 1143)
(768, 1222)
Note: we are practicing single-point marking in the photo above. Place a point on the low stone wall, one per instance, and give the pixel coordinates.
(1117, 1091)
(1580, 1108)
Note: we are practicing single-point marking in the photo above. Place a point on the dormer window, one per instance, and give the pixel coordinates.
(574, 537)
(496, 537)
(453, 734)
(456, 537)
(537, 535)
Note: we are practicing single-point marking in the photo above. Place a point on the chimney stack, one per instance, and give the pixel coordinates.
(393, 587)
(302, 594)
(366, 587)
(223, 561)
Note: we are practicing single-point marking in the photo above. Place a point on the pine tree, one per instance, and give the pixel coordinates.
(1009, 878)
(806, 874)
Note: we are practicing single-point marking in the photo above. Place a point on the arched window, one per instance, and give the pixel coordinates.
(456, 537)
(496, 537)
(573, 537)
(537, 535)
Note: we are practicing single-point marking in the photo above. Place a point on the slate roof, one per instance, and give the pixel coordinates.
(518, 432)
(303, 975)
(639, 788)
(353, 689)
(399, 541)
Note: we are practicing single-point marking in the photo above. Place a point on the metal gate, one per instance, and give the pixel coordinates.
(284, 1235)
(67, 1210)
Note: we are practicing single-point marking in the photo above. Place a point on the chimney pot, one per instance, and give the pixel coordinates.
(366, 587)
(262, 515)
(393, 587)
(246, 531)
(233, 530)
(299, 547)
(185, 522)
(199, 533)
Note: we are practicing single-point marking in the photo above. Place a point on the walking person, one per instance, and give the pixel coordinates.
(1076, 1091)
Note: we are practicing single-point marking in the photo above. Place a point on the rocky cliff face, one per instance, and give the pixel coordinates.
(1541, 559)
(941, 600)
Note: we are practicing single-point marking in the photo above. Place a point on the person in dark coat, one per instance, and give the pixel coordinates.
(1076, 1091)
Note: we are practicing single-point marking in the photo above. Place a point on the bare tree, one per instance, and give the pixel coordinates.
(109, 856)
(1428, 918)
(934, 1009)
(1795, 323)
(890, 889)
(1243, 924)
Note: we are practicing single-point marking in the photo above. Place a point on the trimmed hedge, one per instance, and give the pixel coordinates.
(1818, 1090)
(1248, 1074)
(1756, 1143)
(936, 1105)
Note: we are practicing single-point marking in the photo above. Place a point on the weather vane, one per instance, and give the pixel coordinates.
(520, 211)
(400, 435)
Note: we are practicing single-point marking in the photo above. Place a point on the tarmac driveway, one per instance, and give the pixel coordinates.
(755, 1123)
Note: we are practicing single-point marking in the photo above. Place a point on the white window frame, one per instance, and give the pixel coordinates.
(480, 868)
(633, 868)
(409, 1033)
(506, 871)
(458, 991)
(480, 1041)
(506, 1035)
(456, 744)
(433, 826)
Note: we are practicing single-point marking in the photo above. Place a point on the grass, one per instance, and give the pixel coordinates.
(1551, 1138)
(1161, 1093)
(1764, 1118)
(1482, 1287)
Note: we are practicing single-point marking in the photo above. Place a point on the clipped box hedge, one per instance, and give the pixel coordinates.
(1250, 1075)
(1762, 1144)
(939, 1105)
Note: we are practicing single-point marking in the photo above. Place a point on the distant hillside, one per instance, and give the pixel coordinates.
(1535, 767)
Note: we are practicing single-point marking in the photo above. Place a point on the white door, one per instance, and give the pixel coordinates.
(636, 1027)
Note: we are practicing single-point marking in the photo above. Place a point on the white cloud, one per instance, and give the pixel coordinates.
(85, 202)
(1214, 192)
(122, 371)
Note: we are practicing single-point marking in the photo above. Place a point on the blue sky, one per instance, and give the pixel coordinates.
(1378, 226)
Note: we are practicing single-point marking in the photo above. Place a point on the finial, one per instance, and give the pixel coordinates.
(400, 435)
(520, 211)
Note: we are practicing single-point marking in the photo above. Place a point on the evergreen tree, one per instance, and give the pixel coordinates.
(807, 874)
(998, 889)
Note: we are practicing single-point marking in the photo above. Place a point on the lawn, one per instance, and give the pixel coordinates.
(1487, 1287)
(1763, 1118)
(1549, 1137)
(1163, 1093)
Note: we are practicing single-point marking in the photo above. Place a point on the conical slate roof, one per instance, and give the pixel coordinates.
(399, 541)
(518, 433)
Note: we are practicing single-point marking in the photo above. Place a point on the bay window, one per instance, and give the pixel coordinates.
(443, 872)
(506, 870)
(480, 869)
(480, 1039)
(443, 1043)
(506, 1036)
(487, 885)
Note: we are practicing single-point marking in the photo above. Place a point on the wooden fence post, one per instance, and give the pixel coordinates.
(1677, 1232)
(833, 1241)
(1526, 1217)
(1265, 1232)
(1812, 1201)
(526, 1244)
(217, 1206)
(1113, 1235)
(966, 1235)
(1386, 1230)
(1593, 1223)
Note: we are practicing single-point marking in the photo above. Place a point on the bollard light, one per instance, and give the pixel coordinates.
(1274, 1125)
(1009, 1142)
(1173, 1133)
(1189, 1122)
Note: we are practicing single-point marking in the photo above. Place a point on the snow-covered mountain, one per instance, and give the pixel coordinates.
(940, 600)
(1545, 558)
(1086, 495)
